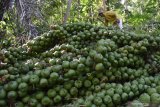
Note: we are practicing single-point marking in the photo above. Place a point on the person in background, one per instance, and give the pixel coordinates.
(110, 17)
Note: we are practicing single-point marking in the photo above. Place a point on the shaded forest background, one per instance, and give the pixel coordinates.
(21, 20)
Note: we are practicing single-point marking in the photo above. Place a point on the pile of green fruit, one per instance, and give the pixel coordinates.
(81, 65)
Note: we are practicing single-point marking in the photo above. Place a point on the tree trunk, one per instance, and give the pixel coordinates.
(67, 11)
(158, 13)
(62, 8)
(104, 4)
(79, 12)
(4, 5)
(107, 3)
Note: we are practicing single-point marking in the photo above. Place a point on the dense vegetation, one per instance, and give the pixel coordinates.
(77, 61)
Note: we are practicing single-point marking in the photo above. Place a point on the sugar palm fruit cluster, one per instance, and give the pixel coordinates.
(38, 44)
(47, 40)
(15, 54)
(151, 97)
(154, 60)
(82, 65)
(111, 94)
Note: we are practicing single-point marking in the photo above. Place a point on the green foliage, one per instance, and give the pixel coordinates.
(6, 38)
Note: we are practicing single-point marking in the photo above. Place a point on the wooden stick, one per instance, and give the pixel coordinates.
(101, 21)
